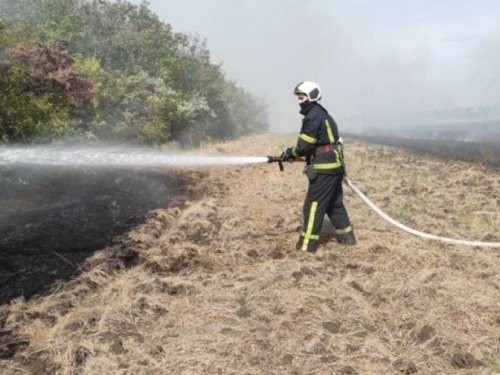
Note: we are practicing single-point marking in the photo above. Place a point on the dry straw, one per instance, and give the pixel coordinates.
(219, 290)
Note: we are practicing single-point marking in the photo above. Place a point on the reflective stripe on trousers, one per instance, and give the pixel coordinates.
(324, 196)
(310, 226)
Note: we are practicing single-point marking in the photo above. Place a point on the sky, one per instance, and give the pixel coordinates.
(369, 57)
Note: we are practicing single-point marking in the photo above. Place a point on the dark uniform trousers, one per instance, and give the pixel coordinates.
(324, 196)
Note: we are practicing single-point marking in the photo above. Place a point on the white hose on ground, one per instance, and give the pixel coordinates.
(413, 231)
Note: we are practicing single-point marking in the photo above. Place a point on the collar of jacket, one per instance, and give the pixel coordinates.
(306, 107)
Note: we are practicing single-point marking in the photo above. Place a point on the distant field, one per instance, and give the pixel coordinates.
(486, 153)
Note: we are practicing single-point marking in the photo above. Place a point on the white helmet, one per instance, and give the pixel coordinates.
(310, 89)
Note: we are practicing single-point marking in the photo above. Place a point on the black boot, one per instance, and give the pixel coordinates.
(311, 248)
(347, 238)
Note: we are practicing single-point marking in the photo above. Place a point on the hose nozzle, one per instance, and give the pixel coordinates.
(276, 159)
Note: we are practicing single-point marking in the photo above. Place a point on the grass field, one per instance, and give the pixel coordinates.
(219, 289)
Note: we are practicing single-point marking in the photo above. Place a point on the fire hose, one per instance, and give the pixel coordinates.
(383, 215)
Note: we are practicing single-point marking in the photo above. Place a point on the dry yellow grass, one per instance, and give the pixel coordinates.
(220, 290)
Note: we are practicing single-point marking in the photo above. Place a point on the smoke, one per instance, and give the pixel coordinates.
(370, 58)
(485, 80)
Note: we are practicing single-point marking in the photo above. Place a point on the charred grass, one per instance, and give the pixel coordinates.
(485, 153)
(216, 287)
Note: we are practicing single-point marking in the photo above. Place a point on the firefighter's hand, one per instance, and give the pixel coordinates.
(288, 154)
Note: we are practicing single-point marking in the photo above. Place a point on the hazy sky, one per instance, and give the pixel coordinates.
(369, 57)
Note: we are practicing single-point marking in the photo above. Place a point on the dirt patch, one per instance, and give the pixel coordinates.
(332, 327)
(10, 344)
(405, 367)
(425, 334)
(464, 360)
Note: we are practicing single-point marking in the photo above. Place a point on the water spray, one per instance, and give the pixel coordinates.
(114, 157)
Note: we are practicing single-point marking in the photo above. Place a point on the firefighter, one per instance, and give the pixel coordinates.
(318, 142)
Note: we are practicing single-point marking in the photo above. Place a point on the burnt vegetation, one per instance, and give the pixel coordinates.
(52, 220)
(484, 153)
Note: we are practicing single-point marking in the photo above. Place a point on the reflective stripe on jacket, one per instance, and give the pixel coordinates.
(319, 129)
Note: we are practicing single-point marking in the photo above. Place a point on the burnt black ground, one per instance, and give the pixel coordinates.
(52, 219)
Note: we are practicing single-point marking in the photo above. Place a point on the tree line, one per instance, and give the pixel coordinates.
(111, 70)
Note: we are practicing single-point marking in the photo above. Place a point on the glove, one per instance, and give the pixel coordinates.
(288, 154)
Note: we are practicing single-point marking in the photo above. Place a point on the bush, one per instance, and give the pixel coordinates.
(40, 91)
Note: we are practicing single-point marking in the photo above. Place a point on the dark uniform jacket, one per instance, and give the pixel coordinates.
(318, 140)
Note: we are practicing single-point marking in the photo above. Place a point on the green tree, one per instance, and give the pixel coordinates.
(192, 73)
(132, 108)
(124, 37)
(3, 36)
(151, 85)
(40, 91)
